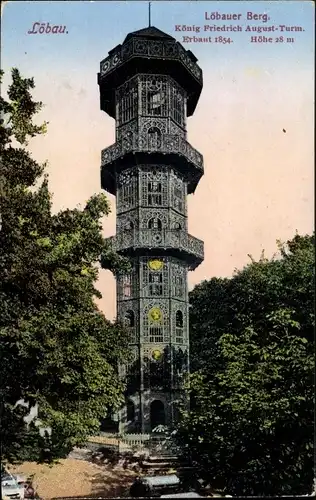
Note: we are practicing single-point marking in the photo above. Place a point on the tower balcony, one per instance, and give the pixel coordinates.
(129, 151)
(175, 242)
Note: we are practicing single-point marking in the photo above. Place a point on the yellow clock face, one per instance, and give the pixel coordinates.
(155, 265)
(156, 354)
(155, 314)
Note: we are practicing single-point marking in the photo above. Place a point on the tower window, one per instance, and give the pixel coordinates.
(127, 105)
(155, 224)
(155, 278)
(156, 103)
(155, 334)
(155, 323)
(155, 284)
(179, 327)
(127, 193)
(154, 193)
(178, 199)
(177, 106)
(127, 286)
(155, 95)
(178, 286)
(154, 371)
(154, 138)
(129, 323)
(130, 319)
(179, 319)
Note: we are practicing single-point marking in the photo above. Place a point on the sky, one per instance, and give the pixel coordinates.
(254, 123)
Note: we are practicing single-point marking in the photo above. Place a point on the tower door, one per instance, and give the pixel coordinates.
(157, 414)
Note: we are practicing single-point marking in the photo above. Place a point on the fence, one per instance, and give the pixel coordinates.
(148, 444)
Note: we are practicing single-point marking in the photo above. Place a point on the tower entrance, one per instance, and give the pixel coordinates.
(157, 414)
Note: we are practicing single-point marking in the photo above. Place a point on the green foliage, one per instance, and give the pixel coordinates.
(57, 349)
(250, 428)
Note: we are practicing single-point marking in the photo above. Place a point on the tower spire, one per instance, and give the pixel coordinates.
(149, 13)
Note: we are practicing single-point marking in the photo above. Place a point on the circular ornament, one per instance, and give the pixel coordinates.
(155, 265)
(156, 354)
(157, 238)
(155, 314)
(105, 67)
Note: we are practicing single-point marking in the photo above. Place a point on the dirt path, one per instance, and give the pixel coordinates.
(71, 477)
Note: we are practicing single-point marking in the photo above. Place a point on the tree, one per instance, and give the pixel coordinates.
(250, 428)
(58, 352)
(210, 315)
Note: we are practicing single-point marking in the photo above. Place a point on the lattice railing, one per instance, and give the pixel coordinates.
(167, 143)
(166, 238)
(167, 49)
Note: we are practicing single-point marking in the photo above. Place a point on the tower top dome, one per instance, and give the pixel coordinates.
(150, 32)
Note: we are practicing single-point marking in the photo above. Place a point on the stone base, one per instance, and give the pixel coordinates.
(147, 410)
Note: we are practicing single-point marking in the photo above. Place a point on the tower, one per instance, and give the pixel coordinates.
(150, 84)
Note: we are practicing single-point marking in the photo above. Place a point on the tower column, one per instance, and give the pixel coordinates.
(150, 84)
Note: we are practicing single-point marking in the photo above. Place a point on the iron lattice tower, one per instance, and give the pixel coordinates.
(149, 85)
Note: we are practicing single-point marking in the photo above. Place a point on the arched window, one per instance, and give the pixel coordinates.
(130, 319)
(155, 224)
(157, 414)
(179, 327)
(179, 319)
(130, 411)
(154, 138)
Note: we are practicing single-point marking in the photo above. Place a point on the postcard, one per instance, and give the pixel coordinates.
(196, 120)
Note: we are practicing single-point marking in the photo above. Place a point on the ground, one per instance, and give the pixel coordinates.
(72, 477)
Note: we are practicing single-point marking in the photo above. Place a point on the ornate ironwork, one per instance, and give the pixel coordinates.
(162, 239)
(157, 367)
(161, 186)
(153, 99)
(127, 97)
(166, 49)
(167, 144)
(131, 372)
(151, 169)
(178, 280)
(180, 366)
